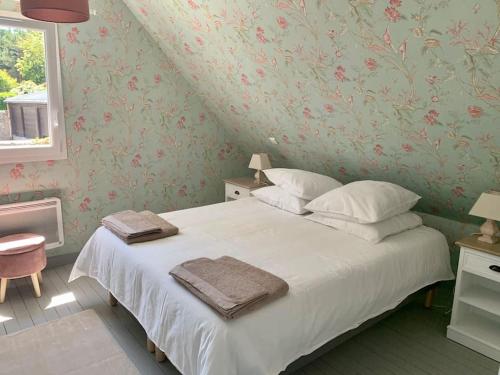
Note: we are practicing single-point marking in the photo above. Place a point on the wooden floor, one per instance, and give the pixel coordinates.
(411, 341)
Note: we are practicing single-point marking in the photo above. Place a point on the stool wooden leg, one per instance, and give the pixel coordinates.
(159, 355)
(3, 289)
(40, 278)
(429, 296)
(36, 285)
(150, 345)
(112, 300)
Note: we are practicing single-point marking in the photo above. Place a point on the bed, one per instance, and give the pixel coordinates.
(336, 281)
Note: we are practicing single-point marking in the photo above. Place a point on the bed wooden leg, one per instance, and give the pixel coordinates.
(112, 300)
(159, 355)
(429, 296)
(150, 345)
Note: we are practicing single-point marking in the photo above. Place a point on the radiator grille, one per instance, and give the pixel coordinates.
(41, 217)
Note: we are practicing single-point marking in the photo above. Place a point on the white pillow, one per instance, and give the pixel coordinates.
(373, 233)
(364, 201)
(277, 197)
(302, 184)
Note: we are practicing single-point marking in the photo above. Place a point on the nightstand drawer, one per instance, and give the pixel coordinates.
(236, 192)
(480, 265)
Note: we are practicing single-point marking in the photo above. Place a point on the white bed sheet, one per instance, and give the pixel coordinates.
(337, 282)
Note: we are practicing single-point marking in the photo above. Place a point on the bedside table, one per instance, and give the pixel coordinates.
(240, 187)
(475, 321)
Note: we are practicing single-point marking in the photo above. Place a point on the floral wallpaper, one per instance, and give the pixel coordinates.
(138, 135)
(400, 90)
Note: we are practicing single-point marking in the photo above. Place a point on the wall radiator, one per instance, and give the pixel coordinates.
(43, 217)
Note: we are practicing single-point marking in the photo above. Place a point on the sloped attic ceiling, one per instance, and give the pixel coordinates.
(404, 91)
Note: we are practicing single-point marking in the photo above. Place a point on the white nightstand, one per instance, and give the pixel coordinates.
(240, 187)
(475, 321)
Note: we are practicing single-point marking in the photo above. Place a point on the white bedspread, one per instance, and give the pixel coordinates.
(337, 282)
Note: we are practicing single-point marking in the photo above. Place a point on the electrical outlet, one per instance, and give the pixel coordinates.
(273, 140)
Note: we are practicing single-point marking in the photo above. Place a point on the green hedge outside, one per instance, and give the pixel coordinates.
(3, 96)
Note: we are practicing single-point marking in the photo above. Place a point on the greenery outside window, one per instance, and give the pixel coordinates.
(31, 107)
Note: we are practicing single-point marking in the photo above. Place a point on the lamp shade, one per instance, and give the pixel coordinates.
(487, 206)
(59, 11)
(260, 162)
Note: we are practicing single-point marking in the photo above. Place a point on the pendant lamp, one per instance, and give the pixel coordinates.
(58, 11)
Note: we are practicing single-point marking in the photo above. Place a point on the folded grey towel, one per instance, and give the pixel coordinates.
(130, 224)
(155, 226)
(228, 285)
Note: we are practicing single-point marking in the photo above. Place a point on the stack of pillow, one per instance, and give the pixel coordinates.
(371, 210)
(294, 188)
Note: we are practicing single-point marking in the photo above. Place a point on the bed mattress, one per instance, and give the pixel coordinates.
(336, 280)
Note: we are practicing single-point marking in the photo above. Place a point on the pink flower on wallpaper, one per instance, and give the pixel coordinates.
(458, 191)
(181, 124)
(103, 32)
(107, 117)
(285, 139)
(203, 183)
(435, 98)
(260, 72)
(387, 37)
(79, 123)
(71, 36)
(84, 206)
(193, 4)
(202, 117)
(17, 171)
(371, 64)
(160, 154)
(328, 108)
(199, 40)
(157, 78)
(112, 195)
(282, 5)
(221, 155)
(132, 83)
(342, 171)
(395, 3)
(407, 147)
(392, 14)
(379, 149)
(244, 79)
(307, 113)
(431, 117)
(340, 73)
(260, 35)
(187, 48)
(143, 11)
(282, 22)
(182, 192)
(50, 163)
(136, 161)
(475, 111)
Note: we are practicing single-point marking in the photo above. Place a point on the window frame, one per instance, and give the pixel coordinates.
(55, 107)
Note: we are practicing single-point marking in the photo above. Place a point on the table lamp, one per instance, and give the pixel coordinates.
(488, 207)
(259, 162)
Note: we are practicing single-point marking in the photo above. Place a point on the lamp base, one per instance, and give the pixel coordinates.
(489, 232)
(259, 177)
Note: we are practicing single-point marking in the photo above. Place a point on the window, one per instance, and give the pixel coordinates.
(31, 109)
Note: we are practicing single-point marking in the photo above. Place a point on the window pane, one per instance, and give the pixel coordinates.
(23, 88)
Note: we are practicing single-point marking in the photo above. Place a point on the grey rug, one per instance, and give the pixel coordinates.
(75, 345)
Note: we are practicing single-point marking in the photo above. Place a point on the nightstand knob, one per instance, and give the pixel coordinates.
(236, 192)
(495, 268)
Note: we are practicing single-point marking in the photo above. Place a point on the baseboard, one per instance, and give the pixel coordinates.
(61, 260)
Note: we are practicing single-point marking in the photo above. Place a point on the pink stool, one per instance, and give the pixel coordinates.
(22, 255)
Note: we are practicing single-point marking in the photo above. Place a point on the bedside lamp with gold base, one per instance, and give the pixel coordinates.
(260, 162)
(488, 207)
